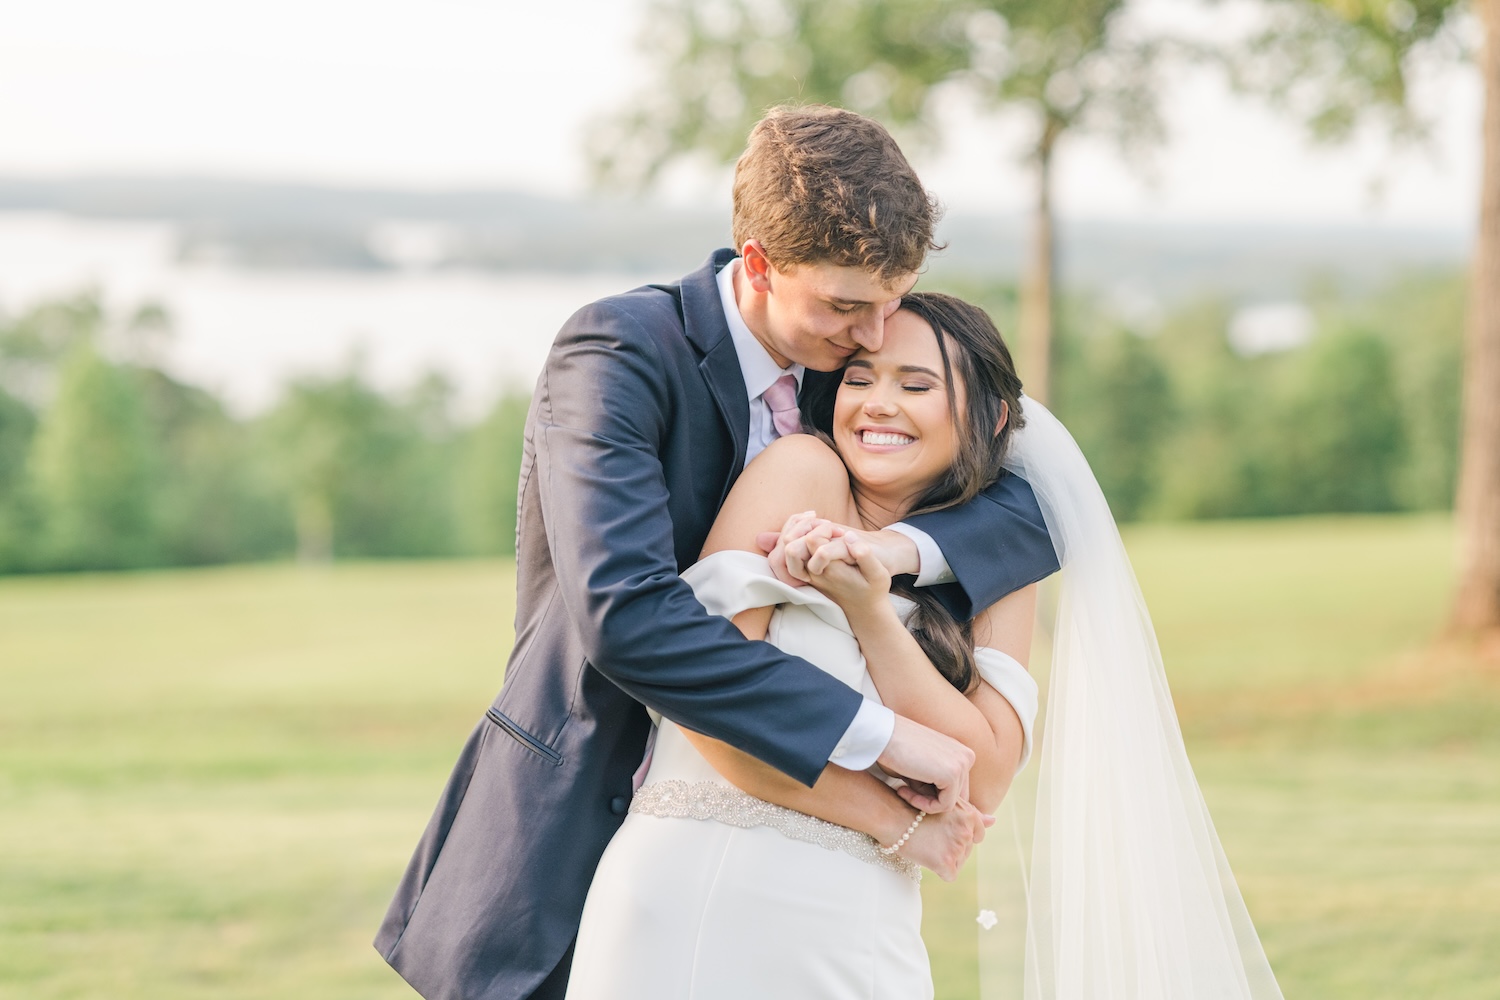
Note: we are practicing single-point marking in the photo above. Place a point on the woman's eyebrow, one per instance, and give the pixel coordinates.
(903, 369)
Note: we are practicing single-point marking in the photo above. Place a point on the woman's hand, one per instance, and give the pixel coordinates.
(803, 535)
(943, 841)
(847, 570)
(788, 549)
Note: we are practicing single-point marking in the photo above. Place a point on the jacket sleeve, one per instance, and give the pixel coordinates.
(995, 544)
(604, 410)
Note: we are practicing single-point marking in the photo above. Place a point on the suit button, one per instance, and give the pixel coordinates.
(618, 805)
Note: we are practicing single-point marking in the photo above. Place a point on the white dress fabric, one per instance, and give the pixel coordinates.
(706, 893)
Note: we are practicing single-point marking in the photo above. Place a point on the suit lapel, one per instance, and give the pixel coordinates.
(706, 328)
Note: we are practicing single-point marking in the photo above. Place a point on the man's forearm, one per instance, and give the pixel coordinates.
(855, 799)
(995, 544)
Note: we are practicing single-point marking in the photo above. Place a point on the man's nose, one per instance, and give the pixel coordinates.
(869, 332)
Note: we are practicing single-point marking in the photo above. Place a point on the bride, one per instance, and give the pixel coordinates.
(729, 880)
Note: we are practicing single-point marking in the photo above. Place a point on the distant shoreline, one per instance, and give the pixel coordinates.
(269, 225)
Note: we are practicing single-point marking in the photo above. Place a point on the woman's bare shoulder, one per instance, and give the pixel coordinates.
(800, 453)
(795, 473)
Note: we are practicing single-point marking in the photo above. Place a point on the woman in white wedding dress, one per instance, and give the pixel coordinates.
(722, 884)
(708, 891)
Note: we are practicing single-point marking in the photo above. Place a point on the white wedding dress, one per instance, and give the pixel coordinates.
(707, 893)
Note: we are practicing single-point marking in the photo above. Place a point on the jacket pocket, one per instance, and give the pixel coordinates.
(522, 737)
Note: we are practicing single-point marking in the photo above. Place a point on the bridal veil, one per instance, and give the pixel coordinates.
(1130, 896)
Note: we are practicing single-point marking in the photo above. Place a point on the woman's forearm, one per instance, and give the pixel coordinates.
(854, 799)
(912, 687)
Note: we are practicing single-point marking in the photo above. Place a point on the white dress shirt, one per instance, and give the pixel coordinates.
(866, 738)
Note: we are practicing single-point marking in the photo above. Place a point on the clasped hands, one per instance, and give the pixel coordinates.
(854, 569)
(807, 547)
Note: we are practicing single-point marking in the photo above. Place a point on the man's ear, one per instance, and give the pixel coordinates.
(757, 265)
(1004, 417)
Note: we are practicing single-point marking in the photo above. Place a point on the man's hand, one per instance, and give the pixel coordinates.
(935, 767)
(943, 842)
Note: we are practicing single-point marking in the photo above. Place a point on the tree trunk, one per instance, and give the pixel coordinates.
(314, 524)
(1477, 605)
(1036, 287)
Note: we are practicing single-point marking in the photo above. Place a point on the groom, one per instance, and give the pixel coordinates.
(650, 405)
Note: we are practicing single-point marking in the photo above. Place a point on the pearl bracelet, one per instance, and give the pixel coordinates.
(905, 836)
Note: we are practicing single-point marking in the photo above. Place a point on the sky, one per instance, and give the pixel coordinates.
(448, 93)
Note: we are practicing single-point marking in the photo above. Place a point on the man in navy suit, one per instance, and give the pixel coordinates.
(649, 406)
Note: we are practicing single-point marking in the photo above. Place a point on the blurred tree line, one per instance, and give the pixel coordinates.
(108, 462)
(1177, 424)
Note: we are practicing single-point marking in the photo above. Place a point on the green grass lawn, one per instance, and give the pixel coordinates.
(210, 780)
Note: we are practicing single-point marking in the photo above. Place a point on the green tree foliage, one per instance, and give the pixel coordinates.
(1342, 434)
(216, 499)
(1123, 397)
(1420, 318)
(1362, 418)
(94, 466)
(17, 427)
(718, 67)
(33, 347)
(107, 462)
(122, 465)
(1337, 64)
(366, 475)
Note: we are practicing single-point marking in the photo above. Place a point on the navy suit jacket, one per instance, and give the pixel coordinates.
(636, 433)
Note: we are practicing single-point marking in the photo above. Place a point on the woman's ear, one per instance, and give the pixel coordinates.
(1004, 416)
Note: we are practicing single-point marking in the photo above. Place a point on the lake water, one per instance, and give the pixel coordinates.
(243, 333)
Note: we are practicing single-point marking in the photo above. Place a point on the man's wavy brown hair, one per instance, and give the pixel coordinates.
(823, 185)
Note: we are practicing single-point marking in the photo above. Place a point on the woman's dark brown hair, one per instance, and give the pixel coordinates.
(974, 351)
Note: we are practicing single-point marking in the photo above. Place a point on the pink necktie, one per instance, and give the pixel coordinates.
(781, 397)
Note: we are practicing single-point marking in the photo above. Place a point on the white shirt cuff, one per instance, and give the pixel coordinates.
(934, 567)
(866, 738)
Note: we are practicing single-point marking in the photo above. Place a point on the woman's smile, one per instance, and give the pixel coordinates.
(876, 438)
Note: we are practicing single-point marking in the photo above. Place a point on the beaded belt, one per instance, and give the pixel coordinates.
(727, 804)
